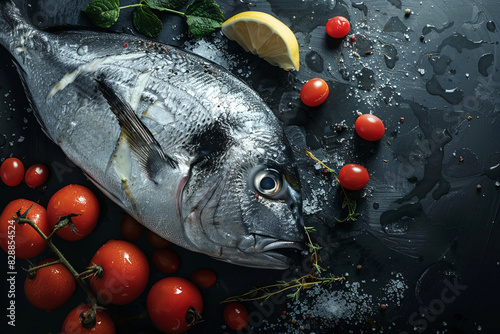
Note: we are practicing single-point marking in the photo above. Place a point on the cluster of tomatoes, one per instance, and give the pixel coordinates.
(369, 127)
(117, 274)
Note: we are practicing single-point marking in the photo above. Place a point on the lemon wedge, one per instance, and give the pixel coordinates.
(266, 36)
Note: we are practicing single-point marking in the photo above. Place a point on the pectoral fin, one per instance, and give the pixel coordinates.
(142, 142)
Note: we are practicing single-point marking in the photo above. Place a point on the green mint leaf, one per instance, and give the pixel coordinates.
(204, 17)
(206, 8)
(201, 26)
(103, 13)
(165, 4)
(146, 22)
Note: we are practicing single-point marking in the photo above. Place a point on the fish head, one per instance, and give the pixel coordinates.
(243, 205)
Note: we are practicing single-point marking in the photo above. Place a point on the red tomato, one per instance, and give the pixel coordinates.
(166, 260)
(51, 287)
(174, 305)
(12, 172)
(126, 272)
(23, 241)
(78, 200)
(73, 325)
(36, 175)
(236, 316)
(131, 229)
(369, 127)
(314, 92)
(353, 177)
(204, 278)
(338, 27)
(156, 241)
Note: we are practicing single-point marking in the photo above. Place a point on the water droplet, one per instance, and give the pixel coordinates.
(459, 42)
(428, 28)
(439, 64)
(315, 62)
(453, 96)
(399, 227)
(82, 50)
(490, 25)
(361, 6)
(390, 55)
(484, 63)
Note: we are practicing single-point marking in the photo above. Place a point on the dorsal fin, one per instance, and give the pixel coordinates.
(142, 143)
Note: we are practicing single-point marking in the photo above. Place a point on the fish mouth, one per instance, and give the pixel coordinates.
(265, 243)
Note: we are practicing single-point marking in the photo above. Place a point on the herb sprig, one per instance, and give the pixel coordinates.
(348, 202)
(202, 16)
(294, 287)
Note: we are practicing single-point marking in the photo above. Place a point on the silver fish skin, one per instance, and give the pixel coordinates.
(177, 141)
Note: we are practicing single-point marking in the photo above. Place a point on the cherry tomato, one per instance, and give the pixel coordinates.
(314, 92)
(12, 172)
(125, 272)
(78, 200)
(36, 175)
(236, 316)
(353, 177)
(51, 287)
(156, 241)
(338, 27)
(23, 241)
(204, 278)
(131, 229)
(174, 305)
(166, 260)
(73, 323)
(369, 127)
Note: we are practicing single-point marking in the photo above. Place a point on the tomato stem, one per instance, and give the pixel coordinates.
(22, 219)
(193, 316)
(88, 317)
(33, 269)
(62, 222)
(95, 270)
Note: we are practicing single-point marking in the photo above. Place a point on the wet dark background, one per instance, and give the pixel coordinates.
(427, 238)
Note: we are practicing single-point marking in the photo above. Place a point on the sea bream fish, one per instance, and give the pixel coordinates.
(177, 141)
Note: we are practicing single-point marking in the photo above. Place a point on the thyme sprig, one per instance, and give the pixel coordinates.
(313, 249)
(348, 202)
(295, 286)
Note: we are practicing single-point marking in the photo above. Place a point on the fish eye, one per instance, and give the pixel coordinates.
(268, 182)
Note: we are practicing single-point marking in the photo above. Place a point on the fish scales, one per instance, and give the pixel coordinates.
(177, 141)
